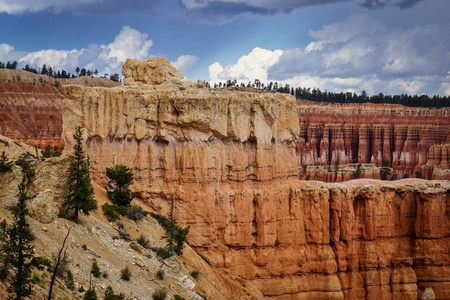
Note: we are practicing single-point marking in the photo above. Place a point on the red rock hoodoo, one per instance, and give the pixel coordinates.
(369, 134)
(229, 160)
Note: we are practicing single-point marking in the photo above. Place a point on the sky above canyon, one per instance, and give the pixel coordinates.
(388, 46)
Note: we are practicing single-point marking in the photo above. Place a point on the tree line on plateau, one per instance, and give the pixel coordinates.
(49, 71)
(317, 95)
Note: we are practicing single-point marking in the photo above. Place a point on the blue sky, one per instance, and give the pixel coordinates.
(389, 46)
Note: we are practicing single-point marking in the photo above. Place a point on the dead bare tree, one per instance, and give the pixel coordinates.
(59, 261)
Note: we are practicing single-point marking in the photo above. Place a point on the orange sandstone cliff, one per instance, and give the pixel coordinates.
(30, 106)
(370, 133)
(229, 159)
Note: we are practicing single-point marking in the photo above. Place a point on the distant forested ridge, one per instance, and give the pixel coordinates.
(50, 71)
(316, 94)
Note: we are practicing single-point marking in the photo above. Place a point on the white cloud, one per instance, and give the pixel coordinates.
(255, 65)
(5, 50)
(214, 70)
(445, 89)
(334, 83)
(411, 87)
(185, 62)
(129, 43)
(358, 53)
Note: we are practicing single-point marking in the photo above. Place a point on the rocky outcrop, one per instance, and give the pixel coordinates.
(48, 184)
(370, 133)
(169, 133)
(228, 159)
(30, 106)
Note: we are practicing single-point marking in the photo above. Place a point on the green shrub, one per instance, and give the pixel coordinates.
(159, 294)
(36, 279)
(178, 297)
(135, 213)
(95, 269)
(50, 152)
(418, 174)
(163, 253)
(406, 175)
(195, 273)
(69, 280)
(110, 212)
(125, 274)
(90, 295)
(81, 289)
(105, 274)
(143, 241)
(160, 274)
(110, 295)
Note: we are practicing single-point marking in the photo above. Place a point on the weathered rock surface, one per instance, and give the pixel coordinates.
(30, 106)
(155, 70)
(48, 184)
(371, 133)
(229, 161)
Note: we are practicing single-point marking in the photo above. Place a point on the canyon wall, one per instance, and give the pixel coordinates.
(30, 106)
(229, 161)
(370, 133)
(30, 111)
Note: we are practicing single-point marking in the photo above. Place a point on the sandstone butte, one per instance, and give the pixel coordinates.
(30, 106)
(230, 161)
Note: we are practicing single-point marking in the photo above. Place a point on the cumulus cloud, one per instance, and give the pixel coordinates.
(255, 65)
(5, 50)
(357, 53)
(129, 43)
(185, 62)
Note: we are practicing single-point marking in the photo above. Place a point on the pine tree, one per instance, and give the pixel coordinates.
(176, 236)
(44, 70)
(5, 165)
(120, 178)
(16, 247)
(385, 170)
(357, 173)
(81, 192)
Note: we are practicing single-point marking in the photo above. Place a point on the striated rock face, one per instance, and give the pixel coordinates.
(229, 161)
(30, 106)
(172, 134)
(370, 133)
